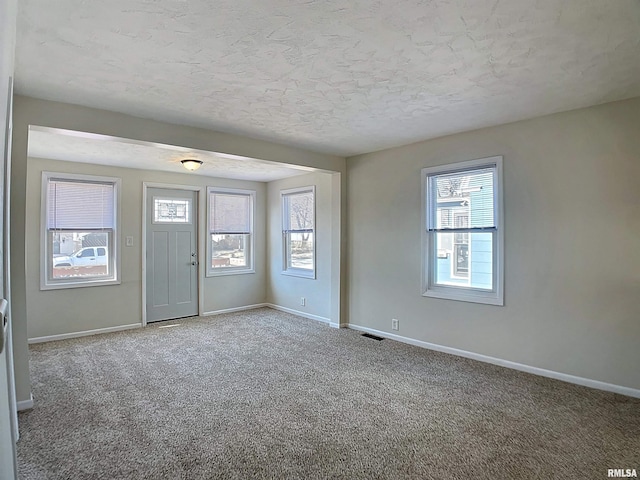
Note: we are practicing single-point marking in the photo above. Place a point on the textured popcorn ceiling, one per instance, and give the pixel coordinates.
(334, 76)
(83, 147)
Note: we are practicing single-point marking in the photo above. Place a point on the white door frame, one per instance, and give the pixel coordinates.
(200, 242)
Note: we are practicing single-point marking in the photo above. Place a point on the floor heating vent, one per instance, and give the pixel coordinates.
(374, 337)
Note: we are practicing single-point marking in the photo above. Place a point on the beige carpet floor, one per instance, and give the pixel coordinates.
(264, 394)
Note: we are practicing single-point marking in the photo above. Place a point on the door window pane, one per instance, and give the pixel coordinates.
(171, 210)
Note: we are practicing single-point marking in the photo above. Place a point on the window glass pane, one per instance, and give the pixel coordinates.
(467, 194)
(464, 260)
(171, 210)
(230, 213)
(299, 211)
(79, 254)
(229, 250)
(463, 233)
(300, 250)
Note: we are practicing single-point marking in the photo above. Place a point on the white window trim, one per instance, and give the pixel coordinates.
(45, 283)
(292, 271)
(222, 271)
(466, 294)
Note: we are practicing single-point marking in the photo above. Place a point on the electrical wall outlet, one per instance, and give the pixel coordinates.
(303, 301)
(394, 324)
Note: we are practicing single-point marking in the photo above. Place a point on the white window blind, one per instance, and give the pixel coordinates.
(230, 213)
(451, 191)
(80, 205)
(299, 215)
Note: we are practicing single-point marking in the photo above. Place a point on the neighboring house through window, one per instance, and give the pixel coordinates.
(463, 234)
(298, 231)
(80, 220)
(230, 245)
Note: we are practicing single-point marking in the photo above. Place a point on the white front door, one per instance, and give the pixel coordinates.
(171, 251)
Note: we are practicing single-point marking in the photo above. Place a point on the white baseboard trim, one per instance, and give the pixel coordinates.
(85, 333)
(586, 382)
(303, 314)
(22, 405)
(235, 309)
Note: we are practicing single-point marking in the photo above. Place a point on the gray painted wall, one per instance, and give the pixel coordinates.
(286, 290)
(52, 312)
(572, 278)
(59, 115)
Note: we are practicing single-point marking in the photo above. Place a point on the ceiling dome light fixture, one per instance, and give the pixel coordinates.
(191, 164)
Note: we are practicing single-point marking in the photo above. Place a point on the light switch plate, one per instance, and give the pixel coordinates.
(128, 241)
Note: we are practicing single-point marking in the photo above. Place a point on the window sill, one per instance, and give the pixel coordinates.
(472, 296)
(300, 273)
(79, 284)
(223, 273)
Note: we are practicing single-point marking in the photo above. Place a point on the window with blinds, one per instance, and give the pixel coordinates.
(230, 222)
(298, 231)
(80, 220)
(463, 235)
